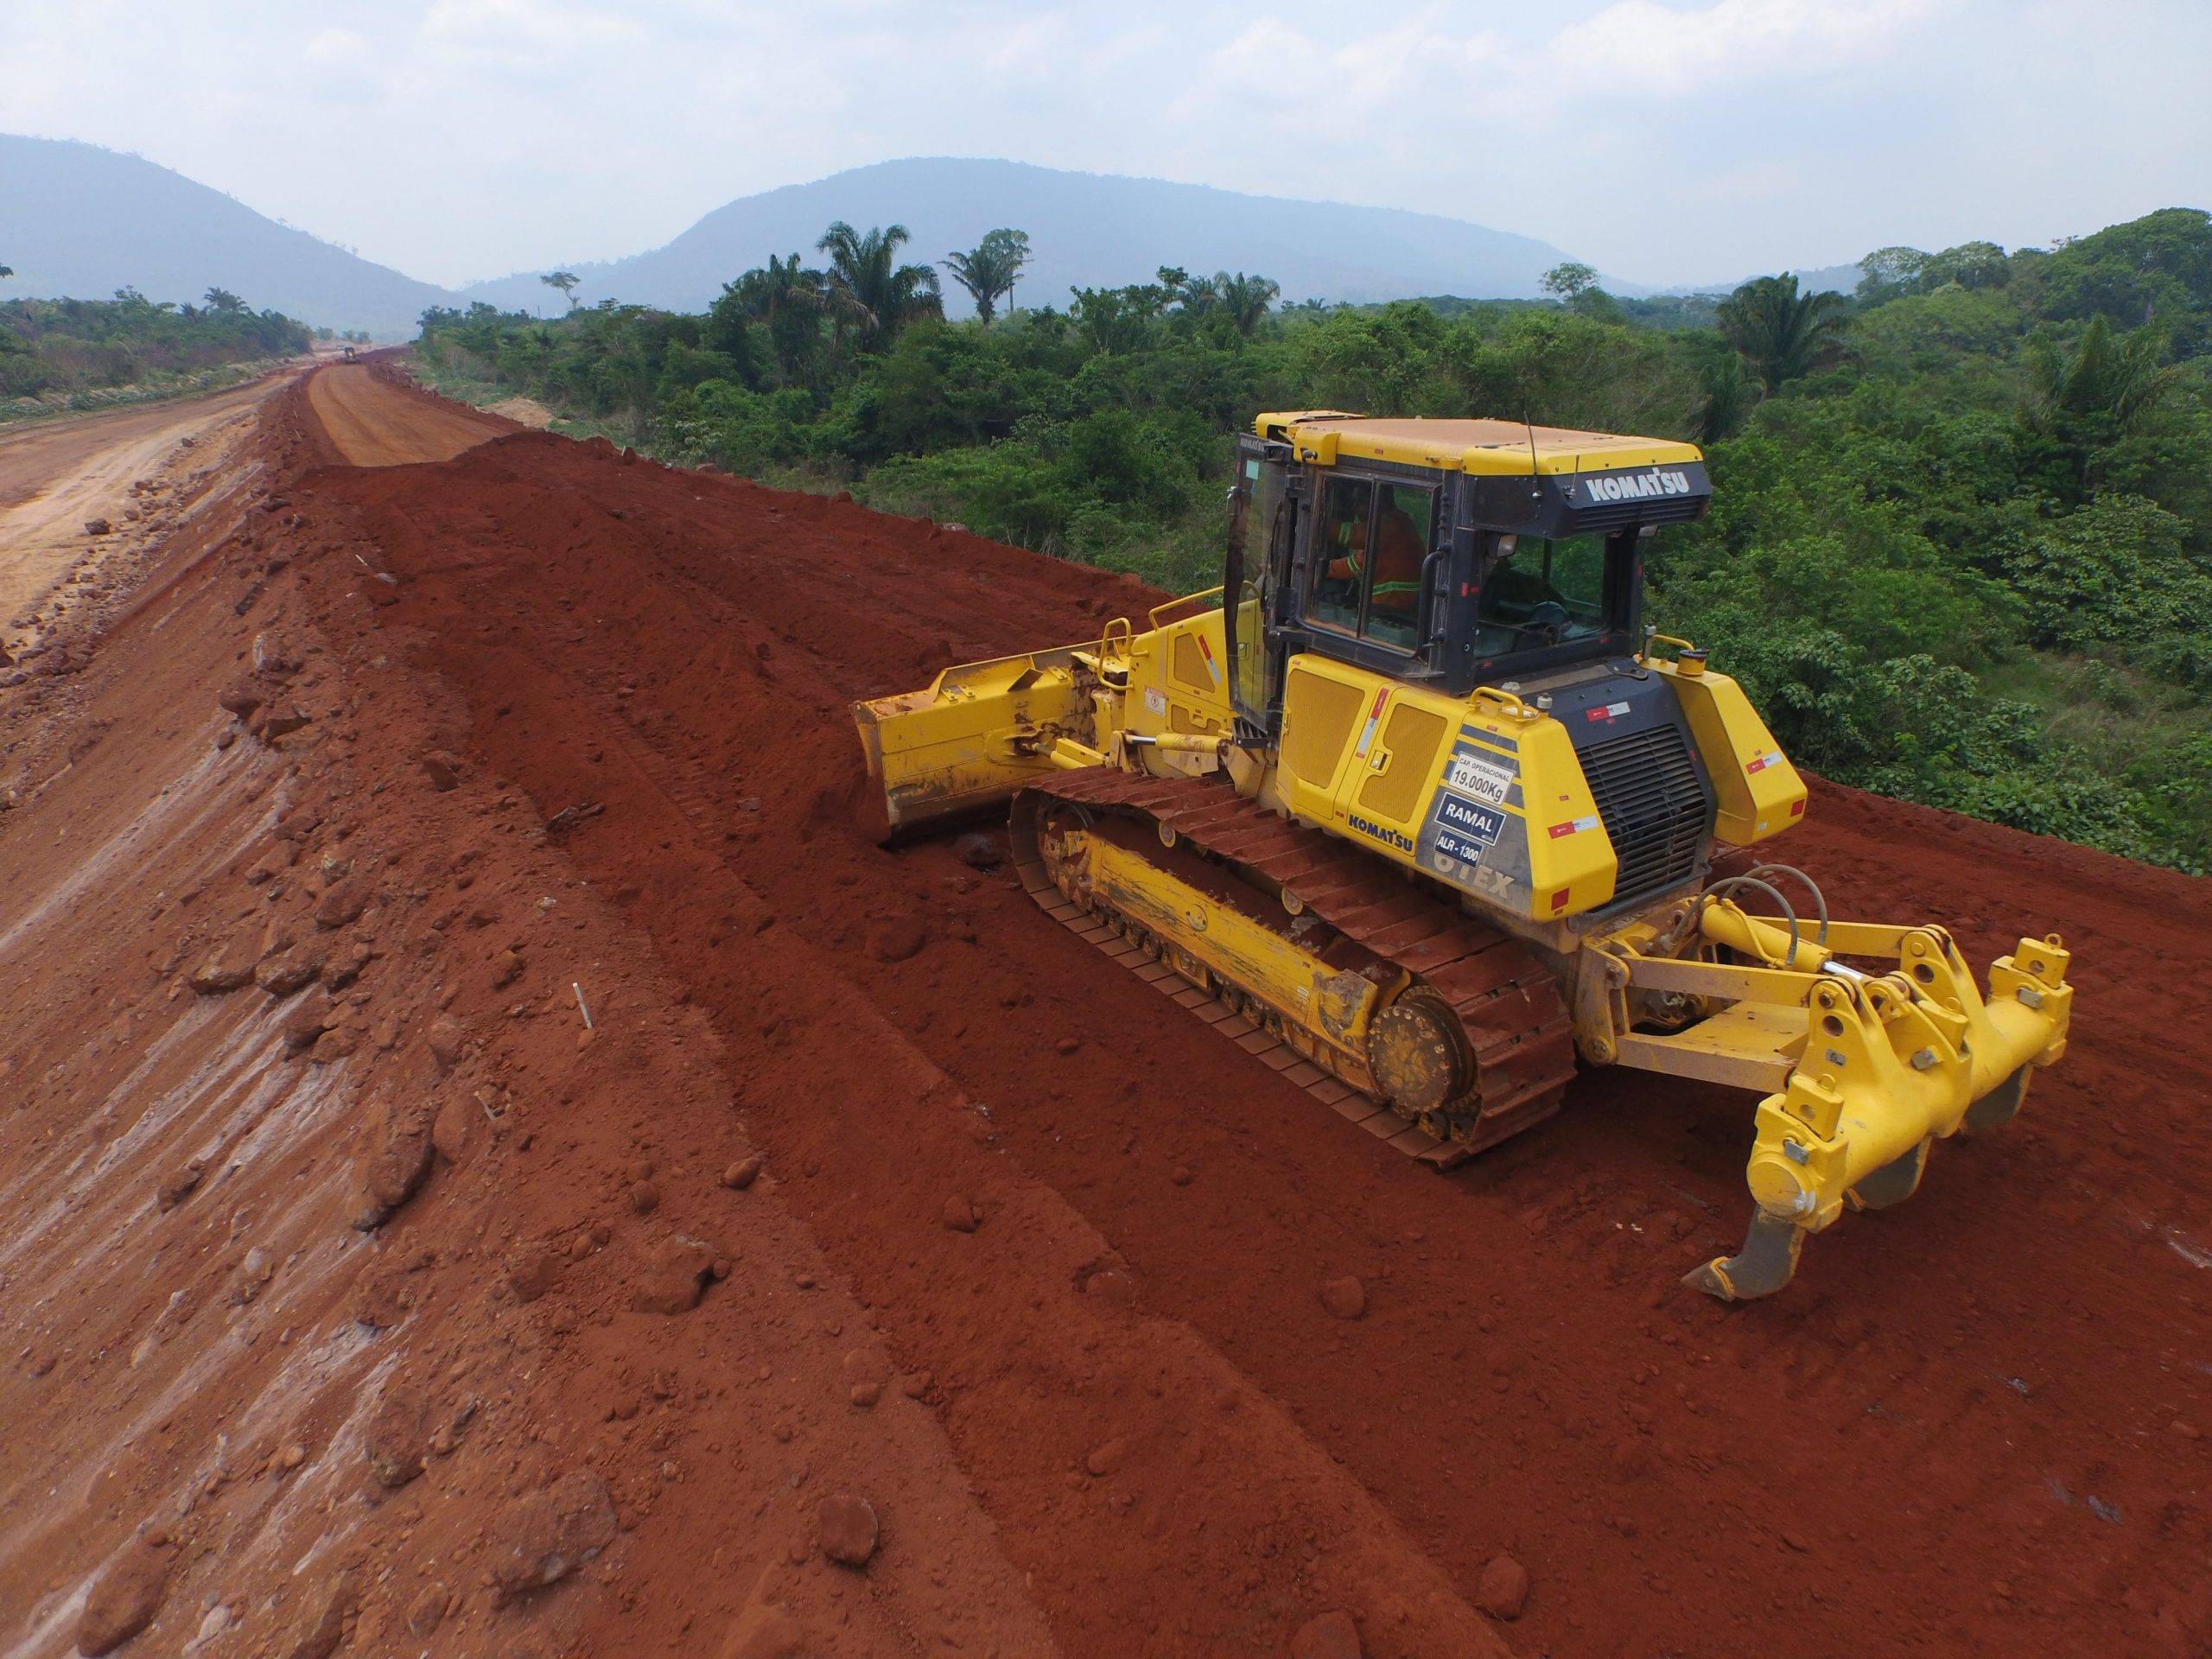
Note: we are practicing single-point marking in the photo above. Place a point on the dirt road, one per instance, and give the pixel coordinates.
(373, 423)
(1085, 1237)
(56, 476)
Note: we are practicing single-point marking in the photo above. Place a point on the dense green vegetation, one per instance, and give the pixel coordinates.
(60, 354)
(1960, 550)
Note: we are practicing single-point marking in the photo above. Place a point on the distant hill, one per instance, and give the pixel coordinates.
(79, 222)
(1085, 230)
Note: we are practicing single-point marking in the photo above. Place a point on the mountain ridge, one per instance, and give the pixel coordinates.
(1085, 229)
(81, 221)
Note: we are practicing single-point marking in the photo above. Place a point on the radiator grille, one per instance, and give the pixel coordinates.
(1653, 806)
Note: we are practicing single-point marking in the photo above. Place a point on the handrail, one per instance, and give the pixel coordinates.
(1158, 614)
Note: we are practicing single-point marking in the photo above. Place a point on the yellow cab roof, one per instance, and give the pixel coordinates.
(1324, 436)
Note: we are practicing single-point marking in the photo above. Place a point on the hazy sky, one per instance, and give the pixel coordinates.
(1663, 140)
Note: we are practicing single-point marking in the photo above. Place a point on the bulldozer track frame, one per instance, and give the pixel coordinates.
(1518, 1035)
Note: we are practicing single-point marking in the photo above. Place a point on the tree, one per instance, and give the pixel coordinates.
(2081, 402)
(564, 280)
(1245, 299)
(869, 290)
(1781, 333)
(6, 271)
(988, 270)
(1563, 281)
(222, 300)
(788, 300)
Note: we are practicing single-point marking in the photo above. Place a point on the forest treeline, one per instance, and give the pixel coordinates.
(52, 351)
(1961, 546)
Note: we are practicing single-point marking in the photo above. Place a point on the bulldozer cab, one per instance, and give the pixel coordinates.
(1444, 554)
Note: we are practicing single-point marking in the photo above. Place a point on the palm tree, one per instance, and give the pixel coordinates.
(988, 271)
(564, 280)
(2086, 399)
(787, 299)
(1781, 333)
(869, 290)
(1246, 299)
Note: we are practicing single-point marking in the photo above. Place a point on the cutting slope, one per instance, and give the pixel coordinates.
(1977, 1413)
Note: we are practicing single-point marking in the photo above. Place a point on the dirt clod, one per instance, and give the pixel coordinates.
(396, 1440)
(959, 1214)
(898, 938)
(849, 1533)
(673, 1276)
(1502, 1590)
(1332, 1634)
(1345, 1297)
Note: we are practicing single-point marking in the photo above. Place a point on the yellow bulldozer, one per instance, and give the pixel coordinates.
(1415, 810)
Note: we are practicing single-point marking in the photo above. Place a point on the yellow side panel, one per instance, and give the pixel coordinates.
(1176, 678)
(1759, 792)
(1323, 704)
(1568, 848)
(1411, 737)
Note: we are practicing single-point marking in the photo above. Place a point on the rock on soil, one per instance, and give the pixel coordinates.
(1502, 1590)
(221, 972)
(285, 971)
(343, 903)
(179, 1185)
(978, 851)
(330, 1621)
(306, 1022)
(540, 1539)
(742, 1173)
(849, 1530)
(126, 1599)
(397, 1439)
(1332, 1635)
(445, 1038)
(396, 1169)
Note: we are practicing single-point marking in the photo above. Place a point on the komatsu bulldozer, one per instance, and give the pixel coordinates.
(1415, 809)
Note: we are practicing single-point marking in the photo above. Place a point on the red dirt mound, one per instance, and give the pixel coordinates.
(1084, 1252)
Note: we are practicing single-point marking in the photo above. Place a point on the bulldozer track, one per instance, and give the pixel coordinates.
(1517, 1025)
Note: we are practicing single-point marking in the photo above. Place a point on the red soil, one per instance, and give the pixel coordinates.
(1970, 1427)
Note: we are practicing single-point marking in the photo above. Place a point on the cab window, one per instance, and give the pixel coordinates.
(1372, 543)
(1338, 554)
(1540, 593)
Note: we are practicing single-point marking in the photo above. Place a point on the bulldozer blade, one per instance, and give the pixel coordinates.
(1893, 1183)
(2001, 1104)
(1764, 1265)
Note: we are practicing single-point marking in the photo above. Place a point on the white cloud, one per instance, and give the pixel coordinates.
(1645, 48)
(339, 45)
